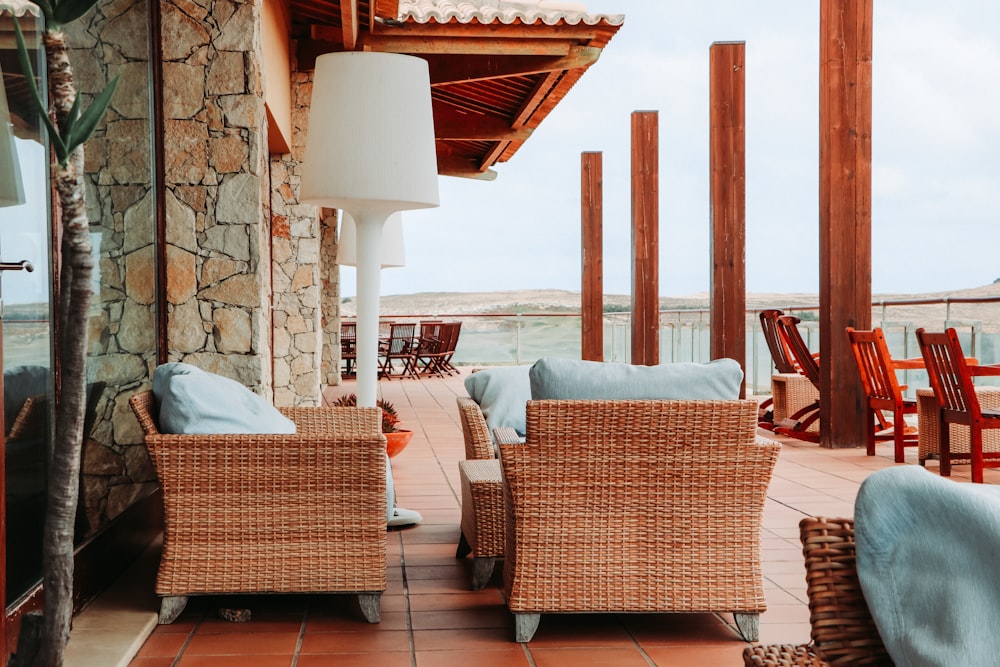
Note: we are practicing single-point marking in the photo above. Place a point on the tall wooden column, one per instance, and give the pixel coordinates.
(645, 239)
(845, 291)
(728, 194)
(592, 218)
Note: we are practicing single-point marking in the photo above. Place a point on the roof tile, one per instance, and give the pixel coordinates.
(549, 12)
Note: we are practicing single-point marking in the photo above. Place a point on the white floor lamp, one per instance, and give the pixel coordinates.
(11, 188)
(370, 151)
(392, 253)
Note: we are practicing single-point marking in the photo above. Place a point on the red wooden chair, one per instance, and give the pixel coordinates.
(783, 362)
(883, 391)
(797, 425)
(951, 379)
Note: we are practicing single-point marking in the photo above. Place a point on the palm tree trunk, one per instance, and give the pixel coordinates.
(75, 272)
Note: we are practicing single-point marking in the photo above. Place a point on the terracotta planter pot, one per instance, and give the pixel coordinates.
(397, 441)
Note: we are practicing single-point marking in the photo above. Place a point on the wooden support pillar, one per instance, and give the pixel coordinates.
(845, 291)
(728, 194)
(645, 238)
(592, 218)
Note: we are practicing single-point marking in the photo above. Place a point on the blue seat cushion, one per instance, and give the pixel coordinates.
(927, 551)
(501, 392)
(191, 400)
(555, 378)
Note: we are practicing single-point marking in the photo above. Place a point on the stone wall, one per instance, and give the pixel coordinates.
(116, 470)
(295, 246)
(216, 188)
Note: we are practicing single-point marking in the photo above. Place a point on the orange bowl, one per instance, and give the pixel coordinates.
(396, 442)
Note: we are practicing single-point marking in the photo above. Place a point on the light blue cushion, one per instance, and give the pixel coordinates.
(191, 401)
(501, 392)
(554, 378)
(927, 550)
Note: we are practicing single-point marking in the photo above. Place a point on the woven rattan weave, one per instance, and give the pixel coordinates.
(636, 506)
(843, 632)
(270, 513)
(478, 444)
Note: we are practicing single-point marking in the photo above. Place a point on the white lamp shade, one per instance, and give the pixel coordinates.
(393, 251)
(11, 188)
(370, 143)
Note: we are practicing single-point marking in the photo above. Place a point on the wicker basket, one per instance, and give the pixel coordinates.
(843, 632)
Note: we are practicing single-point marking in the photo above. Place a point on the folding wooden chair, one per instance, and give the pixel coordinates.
(883, 391)
(450, 337)
(348, 345)
(399, 346)
(797, 425)
(951, 379)
(427, 348)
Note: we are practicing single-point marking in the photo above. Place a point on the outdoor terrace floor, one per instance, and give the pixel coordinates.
(430, 618)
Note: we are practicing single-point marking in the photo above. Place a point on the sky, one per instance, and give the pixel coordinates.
(935, 136)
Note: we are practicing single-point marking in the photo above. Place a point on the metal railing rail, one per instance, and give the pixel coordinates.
(684, 333)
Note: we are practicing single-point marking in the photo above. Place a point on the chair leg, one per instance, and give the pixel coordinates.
(371, 606)
(463, 549)
(748, 625)
(525, 626)
(482, 572)
(899, 435)
(171, 607)
(944, 440)
(976, 449)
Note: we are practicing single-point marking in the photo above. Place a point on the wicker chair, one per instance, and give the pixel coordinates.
(843, 632)
(478, 444)
(271, 513)
(483, 526)
(636, 506)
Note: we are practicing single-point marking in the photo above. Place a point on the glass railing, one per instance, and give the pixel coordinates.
(522, 338)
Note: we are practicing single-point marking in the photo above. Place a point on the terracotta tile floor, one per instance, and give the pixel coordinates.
(431, 619)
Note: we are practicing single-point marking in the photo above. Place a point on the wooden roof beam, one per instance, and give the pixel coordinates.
(445, 69)
(451, 124)
(580, 33)
(460, 167)
(349, 23)
(466, 45)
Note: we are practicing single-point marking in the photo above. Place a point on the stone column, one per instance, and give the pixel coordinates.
(216, 186)
(296, 267)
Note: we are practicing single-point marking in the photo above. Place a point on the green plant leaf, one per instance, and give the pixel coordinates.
(74, 111)
(67, 11)
(58, 145)
(83, 126)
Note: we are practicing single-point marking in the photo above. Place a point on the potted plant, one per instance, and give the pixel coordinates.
(396, 438)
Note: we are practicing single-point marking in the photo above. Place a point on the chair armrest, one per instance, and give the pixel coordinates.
(984, 370)
(506, 435)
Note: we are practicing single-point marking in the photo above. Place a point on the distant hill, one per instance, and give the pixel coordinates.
(550, 300)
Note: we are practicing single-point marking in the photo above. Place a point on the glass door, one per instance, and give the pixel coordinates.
(25, 315)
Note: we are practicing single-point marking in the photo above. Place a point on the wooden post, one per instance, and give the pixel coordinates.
(728, 196)
(592, 293)
(645, 239)
(845, 152)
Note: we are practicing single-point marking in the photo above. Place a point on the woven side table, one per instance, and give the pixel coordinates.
(483, 518)
(929, 444)
(791, 392)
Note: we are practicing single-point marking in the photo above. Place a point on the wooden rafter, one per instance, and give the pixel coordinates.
(349, 23)
(492, 83)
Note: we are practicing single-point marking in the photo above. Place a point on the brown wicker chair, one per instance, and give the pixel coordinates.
(478, 444)
(636, 506)
(843, 632)
(271, 513)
